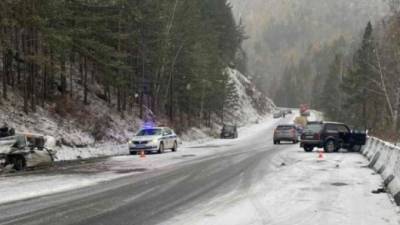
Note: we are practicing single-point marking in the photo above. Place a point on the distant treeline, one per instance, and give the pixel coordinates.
(356, 83)
(167, 55)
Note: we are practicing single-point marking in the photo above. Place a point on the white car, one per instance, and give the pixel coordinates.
(27, 150)
(154, 139)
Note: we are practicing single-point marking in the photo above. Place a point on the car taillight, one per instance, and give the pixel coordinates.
(293, 133)
(317, 136)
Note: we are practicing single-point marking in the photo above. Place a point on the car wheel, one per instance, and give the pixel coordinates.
(308, 148)
(330, 146)
(18, 162)
(175, 148)
(161, 148)
(355, 148)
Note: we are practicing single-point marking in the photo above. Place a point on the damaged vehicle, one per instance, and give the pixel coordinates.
(27, 150)
(332, 136)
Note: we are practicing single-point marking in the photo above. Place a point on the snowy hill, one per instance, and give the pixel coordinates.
(253, 104)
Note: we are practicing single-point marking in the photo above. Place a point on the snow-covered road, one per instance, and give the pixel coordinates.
(244, 181)
(69, 176)
(304, 189)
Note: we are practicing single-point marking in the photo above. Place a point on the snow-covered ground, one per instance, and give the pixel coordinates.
(304, 190)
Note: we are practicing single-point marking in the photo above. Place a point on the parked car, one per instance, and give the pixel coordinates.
(286, 133)
(332, 136)
(156, 139)
(6, 131)
(27, 150)
(229, 131)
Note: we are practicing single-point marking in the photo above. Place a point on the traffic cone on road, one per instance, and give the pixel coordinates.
(321, 154)
(142, 155)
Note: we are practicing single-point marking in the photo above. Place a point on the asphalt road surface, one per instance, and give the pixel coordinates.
(158, 196)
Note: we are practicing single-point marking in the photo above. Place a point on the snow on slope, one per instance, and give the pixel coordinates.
(253, 106)
(252, 103)
(78, 130)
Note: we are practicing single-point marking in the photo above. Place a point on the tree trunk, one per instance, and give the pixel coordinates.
(71, 66)
(396, 111)
(25, 75)
(63, 77)
(5, 72)
(119, 98)
(85, 77)
(44, 85)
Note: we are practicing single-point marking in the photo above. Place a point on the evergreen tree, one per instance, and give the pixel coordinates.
(357, 83)
(331, 97)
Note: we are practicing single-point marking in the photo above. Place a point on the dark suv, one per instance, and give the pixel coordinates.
(229, 131)
(331, 136)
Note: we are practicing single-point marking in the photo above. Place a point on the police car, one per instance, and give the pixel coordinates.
(154, 139)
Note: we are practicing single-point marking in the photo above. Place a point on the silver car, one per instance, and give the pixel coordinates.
(286, 133)
(153, 139)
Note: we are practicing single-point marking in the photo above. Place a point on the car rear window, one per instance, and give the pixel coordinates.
(285, 127)
(229, 128)
(314, 127)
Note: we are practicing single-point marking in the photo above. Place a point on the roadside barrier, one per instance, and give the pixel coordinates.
(384, 158)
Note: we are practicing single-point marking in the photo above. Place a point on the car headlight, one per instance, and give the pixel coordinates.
(155, 141)
(130, 142)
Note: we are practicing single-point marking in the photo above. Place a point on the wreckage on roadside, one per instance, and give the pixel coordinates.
(27, 150)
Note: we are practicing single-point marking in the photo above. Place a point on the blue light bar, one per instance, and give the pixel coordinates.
(148, 125)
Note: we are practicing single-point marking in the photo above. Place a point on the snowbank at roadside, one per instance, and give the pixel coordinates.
(68, 153)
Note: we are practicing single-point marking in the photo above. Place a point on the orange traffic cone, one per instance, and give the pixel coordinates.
(321, 154)
(142, 155)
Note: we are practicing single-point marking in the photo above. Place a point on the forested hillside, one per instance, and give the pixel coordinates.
(159, 60)
(363, 86)
(282, 32)
(356, 82)
(341, 57)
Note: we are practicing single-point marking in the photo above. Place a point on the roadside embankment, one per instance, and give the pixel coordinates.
(384, 157)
